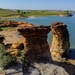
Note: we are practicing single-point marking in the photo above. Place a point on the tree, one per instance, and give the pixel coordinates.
(67, 11)
(18, 11)
(21, 13)
(24, 12)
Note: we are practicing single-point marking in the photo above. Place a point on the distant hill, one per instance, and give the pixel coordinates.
(26, 13)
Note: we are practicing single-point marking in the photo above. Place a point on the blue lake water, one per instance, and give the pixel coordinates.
(47, 20)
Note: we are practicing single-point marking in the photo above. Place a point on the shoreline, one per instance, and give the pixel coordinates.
(33, 16)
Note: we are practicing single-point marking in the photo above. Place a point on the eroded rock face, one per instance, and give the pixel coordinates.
(35, 42)
(60, 44)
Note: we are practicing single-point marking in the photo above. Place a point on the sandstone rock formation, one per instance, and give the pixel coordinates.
(60, 44)
(35, 42)
(37, 55)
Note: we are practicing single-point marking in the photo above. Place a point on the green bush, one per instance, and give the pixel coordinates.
(6, 59)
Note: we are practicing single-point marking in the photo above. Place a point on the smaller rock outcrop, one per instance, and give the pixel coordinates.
(60, 44)
(69, 15)
(9, 23)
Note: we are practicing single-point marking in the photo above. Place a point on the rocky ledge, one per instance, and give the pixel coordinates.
(33, 30)
(8, 23)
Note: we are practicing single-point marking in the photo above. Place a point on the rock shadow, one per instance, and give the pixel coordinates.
(72, 54)
(69, 66)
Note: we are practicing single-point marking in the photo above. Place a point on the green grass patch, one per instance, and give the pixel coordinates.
(6, 13)
(46, 13)
(8, 28)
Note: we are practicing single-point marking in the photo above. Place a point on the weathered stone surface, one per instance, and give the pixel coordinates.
(60, 44)
(43, 69)
(46, 69)
(49, 69)
(35, 42)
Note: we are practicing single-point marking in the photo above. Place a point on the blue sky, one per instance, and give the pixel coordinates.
(38, 4)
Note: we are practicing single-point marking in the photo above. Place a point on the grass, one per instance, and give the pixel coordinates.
(6, 13)
(8, 28)
(45, 13)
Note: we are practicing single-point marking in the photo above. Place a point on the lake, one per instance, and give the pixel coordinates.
(47, 20)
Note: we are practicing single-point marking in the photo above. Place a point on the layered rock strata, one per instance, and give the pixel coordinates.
(60, 43)
(35, 42)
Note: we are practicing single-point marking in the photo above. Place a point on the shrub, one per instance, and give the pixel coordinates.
(6, 59)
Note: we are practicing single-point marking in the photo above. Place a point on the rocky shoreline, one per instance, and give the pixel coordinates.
(3, 18)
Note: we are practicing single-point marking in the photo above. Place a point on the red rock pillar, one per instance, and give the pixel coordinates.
(60, 44)
(35, 42)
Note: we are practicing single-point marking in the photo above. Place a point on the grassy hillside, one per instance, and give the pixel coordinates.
(46, 13)
(22, 13)
(5, 12)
